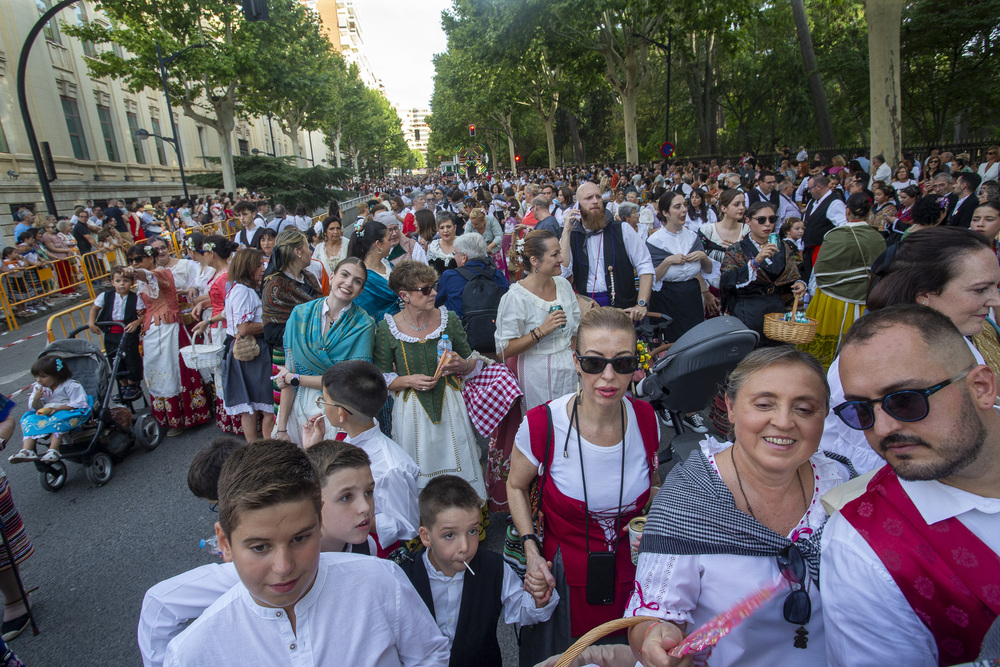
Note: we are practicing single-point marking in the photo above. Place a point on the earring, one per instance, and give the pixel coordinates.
(925, 302)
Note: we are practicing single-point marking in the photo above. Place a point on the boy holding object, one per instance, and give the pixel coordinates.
(121, 304)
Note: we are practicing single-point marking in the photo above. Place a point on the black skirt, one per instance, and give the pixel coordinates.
(682, 302)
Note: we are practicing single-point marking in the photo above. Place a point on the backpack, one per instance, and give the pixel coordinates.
(480, 303)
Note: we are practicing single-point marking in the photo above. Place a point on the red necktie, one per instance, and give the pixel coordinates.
(342, 435)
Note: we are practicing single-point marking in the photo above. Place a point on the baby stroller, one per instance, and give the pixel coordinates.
(689, 374)
(110, 432)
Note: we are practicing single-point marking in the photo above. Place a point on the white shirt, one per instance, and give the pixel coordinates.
(841, 439)
(883, 173)
(118, 309)
(359, 611)
(246, 236)
(518, 605)
(694, 225)
(989, 174)
(787, 209)
(636, 250)
(836, 213)
(70, 393)
(397, 516)
(802, 156)
(693, 588)
(673, 244)
(242, 305)
(602, 465)
(869, 621)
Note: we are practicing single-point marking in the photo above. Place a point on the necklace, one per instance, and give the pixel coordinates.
(413, 326)
(739, 480)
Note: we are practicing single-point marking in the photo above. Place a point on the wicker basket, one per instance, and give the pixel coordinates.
(204, 357)
(796, 333)
(574, 651)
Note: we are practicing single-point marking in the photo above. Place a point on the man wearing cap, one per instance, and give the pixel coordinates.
(149, 222)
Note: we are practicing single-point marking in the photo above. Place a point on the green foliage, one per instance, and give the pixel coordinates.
(281, 181)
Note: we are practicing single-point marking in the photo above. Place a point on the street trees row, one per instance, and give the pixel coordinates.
(284, 66)
(746, 75)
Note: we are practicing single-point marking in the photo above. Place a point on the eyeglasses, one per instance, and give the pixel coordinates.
(761, 219)
(214, 507)
(321, 404)
(137, 260)
(792, 565)
(593, 365)
(907, 405)
(426, 289)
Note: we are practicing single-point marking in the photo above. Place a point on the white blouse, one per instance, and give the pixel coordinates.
(691, 589)
(185, 274)
(242, 305)
(683, 242)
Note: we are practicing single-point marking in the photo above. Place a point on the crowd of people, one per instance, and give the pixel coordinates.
(468, 345)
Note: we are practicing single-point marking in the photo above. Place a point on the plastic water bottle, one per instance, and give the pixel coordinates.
(212, 544)
(443, 345)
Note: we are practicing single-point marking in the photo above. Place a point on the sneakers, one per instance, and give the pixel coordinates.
(130, 393)
(695, 422)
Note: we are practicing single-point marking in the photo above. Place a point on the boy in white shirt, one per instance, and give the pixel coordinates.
(353, 393)
(293, 605)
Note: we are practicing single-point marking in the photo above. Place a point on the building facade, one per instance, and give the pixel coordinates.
(416, 131)
(90, 125)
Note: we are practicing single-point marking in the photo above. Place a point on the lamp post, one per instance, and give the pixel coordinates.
(163, 63)
(143, 134)
(256, 151)
(665, 47)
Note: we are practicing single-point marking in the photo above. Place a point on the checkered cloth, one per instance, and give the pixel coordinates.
(489, 395)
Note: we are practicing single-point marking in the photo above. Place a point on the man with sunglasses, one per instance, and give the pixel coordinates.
(823, 213)
(910, 569)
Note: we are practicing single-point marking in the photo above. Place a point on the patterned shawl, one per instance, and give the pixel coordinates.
(351, 337)
(376, 298)
(279, 295)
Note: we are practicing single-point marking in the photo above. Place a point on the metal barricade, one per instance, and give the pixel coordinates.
(21, 286)
(95, 268)
(72, 318)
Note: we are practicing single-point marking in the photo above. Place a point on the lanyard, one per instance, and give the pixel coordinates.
(574, 418)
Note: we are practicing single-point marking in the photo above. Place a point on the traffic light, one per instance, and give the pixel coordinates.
(472, 129)
(255, 10)
(517, 158)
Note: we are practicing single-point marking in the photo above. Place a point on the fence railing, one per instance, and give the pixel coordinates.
(22, 287)
(72, 318)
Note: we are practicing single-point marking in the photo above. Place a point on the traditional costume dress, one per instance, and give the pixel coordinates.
(279, 295)
(700, 555)
(376, 298)
(544, 371)
(217, 334)
(749, 293)
(13, 526)
(438, 259)
(179, 398)
(247, 382)
(69, 392)
(590, 494)
(841, 275)
(678, 292)
(329, 262)
(312, 345)
(431, 426)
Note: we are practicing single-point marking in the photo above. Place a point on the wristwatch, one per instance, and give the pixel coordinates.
(531, 538)
(295, 380)
(641, 302)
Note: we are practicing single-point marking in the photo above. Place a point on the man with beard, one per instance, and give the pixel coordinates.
(605, 256)
(910, 572)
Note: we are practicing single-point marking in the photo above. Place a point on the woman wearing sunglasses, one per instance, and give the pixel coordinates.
(429, 418)
(949, 269)
(318, 334)
(597, 450)
(755, 272)
(841, 272)
(736, 517)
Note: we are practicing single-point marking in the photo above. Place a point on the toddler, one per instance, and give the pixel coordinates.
(57, 405)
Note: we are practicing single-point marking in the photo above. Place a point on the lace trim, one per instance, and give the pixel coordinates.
(249, 408)
(411, 339)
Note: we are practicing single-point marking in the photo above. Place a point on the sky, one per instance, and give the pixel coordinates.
(401, 38)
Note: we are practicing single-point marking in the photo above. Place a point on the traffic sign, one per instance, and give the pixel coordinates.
(667, 149)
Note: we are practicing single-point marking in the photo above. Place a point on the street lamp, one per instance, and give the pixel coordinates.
(256, 151)
(143, 134)
(665, 47)
(163, 63)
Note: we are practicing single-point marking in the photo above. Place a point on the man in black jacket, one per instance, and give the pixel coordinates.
(965, 189)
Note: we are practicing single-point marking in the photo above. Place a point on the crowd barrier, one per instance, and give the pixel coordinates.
(70, 319)
(23, 286)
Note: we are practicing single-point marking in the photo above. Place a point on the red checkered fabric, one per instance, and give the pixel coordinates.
(489, 395)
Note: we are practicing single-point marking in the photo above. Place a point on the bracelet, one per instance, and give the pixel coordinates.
(646, 635)
(280, 431)
(531, 537)
(535, 336)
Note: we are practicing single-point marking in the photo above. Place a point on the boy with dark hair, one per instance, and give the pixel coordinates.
(121, 304)
(249, 236)
(294, 605)
(353, 393)
(467, 608)
(203, 474)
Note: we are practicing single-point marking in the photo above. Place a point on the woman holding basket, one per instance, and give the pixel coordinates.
(598, 453)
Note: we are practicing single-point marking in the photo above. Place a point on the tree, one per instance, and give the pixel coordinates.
(820, 107)
(283, 182)
(883, 18)
(205, 82)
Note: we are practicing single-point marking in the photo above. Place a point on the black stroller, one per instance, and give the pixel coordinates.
(111, 431)
(689, 374)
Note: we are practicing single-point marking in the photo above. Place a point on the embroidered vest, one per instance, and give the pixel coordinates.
(948, 575)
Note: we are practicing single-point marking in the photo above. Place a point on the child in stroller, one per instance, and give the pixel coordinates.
(58, 405)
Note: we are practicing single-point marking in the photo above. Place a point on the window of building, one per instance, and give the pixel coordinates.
(133, 128)
(51, 30)
(201, 146)
(4, 146)
(75, 127)
(82, 21)
(161, 155)
(108, 130)
(244, 146)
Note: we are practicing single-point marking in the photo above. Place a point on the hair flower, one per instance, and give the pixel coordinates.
(207, 247)
(360, 233)
(520, 246)
(59, 364)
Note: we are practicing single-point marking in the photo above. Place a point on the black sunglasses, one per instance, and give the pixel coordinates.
(593, 365)
(906, 405)
(761, 219)
(792, 565)
(426, 289)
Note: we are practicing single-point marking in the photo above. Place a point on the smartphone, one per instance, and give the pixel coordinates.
(601, 577)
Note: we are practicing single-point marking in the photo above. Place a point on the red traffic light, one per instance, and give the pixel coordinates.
(517, 158)
(472, 129)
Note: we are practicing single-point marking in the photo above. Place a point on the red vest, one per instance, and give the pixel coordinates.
(564, 522)
(948, 575)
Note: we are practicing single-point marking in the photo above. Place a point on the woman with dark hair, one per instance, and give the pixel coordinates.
(883, 213)
(698, 211)
(986, 221)
(426, 230)
(907, 198)
(177, 392)
(331, 248)
(756, 271)
(928, 211)
(333, 210)
(246, 382)
(950, 269)
(217, 251)
(441, 251)
(841, 272)
(718, 236)
(370, 244)
(679, 260)
(318, 334)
